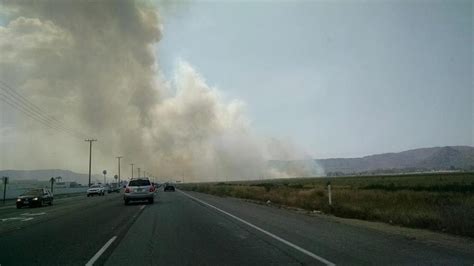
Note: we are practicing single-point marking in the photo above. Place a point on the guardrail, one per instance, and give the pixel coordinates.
(14, 192)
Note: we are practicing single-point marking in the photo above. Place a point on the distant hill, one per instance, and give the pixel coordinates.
(425, 159)
(44, 175)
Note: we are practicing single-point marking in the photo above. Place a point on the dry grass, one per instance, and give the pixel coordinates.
(443, 202)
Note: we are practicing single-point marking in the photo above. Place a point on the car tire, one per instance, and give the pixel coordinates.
(151, 201)
(126, 201)
(18, 206)
(50, 203)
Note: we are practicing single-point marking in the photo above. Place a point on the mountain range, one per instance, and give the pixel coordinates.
(46, 174)
(424, 159)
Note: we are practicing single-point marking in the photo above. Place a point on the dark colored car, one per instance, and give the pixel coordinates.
(113, 188)
(35, 198)
(169, 187)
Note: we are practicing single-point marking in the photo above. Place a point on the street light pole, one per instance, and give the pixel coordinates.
(104, 172)
(132, 168)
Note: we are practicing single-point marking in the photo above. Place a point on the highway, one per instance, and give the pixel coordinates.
(188, 228)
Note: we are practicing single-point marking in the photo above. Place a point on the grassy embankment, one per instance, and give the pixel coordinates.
(441, 202)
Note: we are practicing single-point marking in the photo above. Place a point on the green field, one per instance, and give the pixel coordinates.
(441, 202)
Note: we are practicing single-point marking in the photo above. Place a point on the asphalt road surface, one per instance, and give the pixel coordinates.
(185, 228)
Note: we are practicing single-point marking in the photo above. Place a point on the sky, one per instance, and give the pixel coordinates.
(213, 90)
(339, 78)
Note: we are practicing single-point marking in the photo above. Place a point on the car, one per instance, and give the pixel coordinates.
(113, 188)
(35, 198)
(96, 189)
(169, 187)
(139, 189)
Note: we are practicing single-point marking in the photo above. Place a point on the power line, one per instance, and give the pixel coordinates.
(21, 103)
(23, 99)
(26, 104)
(39, 119)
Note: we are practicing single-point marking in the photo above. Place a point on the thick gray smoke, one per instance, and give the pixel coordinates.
(92, 65)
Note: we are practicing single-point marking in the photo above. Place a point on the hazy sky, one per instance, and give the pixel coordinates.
(339, 79)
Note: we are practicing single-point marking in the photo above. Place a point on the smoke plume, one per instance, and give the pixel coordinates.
(92, 65)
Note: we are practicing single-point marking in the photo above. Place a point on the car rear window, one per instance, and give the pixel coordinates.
(139, 183)
(34, 192)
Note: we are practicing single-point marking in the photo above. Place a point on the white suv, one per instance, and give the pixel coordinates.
(96, 189)
(139, 189)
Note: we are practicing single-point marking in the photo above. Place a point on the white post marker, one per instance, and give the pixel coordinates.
(288, 243)
(329, 194)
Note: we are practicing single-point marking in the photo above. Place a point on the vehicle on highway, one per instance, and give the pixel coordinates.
(96, 189)
(169, 187)
(139, 189)
(113, 188)
(35, 198)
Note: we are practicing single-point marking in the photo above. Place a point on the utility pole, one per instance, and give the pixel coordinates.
(90, 157)
(118, 158)
(5, 182)
(138, 172)
(52, 180)
(132, 164)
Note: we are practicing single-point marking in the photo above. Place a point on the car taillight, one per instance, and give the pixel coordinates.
(127, 190)
(152, 189)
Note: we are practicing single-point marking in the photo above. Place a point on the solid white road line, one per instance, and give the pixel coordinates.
(288, 243)
(102, 250)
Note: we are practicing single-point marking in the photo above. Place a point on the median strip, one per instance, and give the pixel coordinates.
(286, 242)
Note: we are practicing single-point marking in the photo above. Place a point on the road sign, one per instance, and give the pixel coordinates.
(5, 179)
(104, 172)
